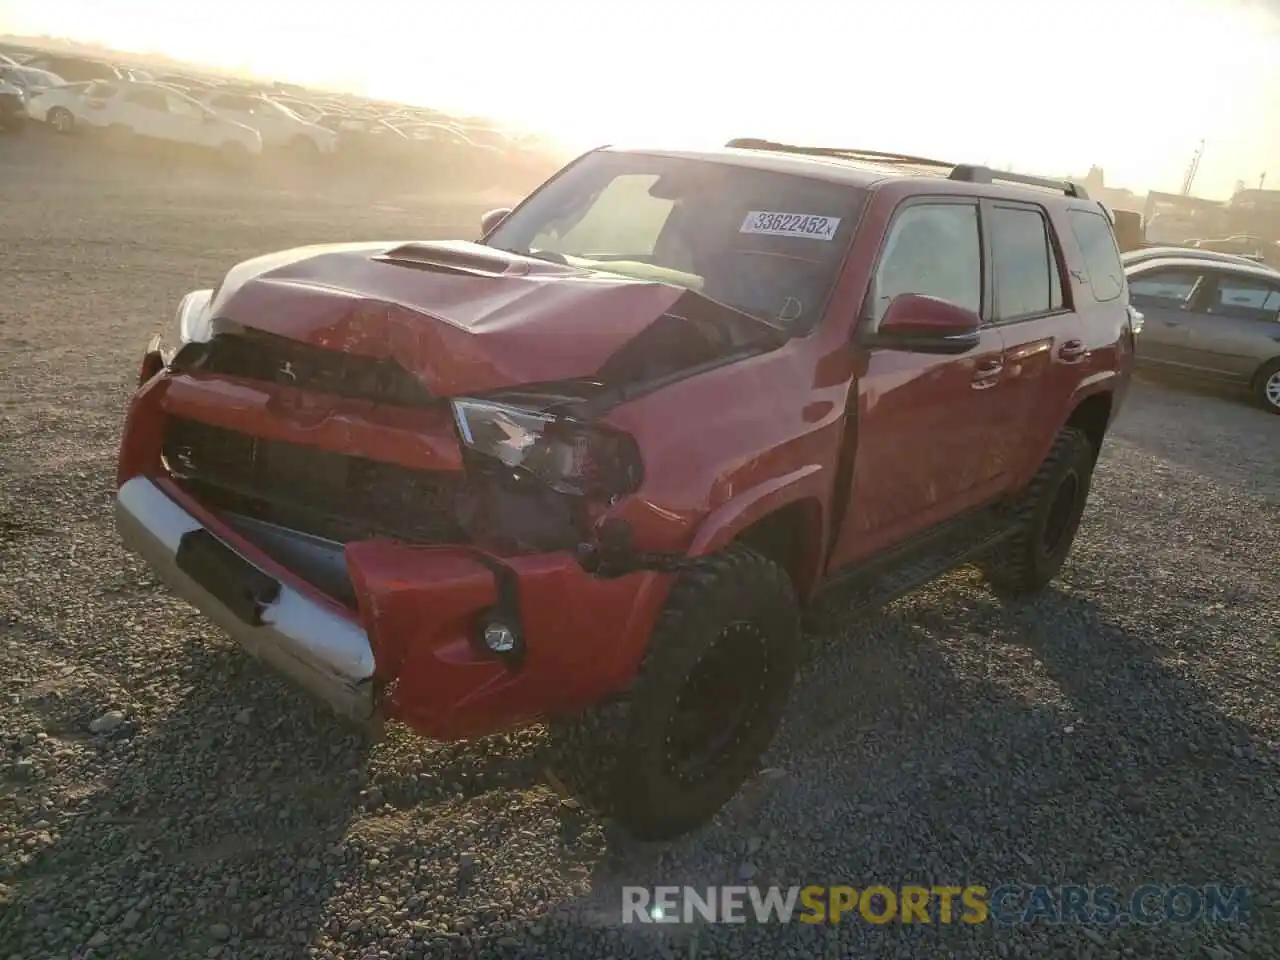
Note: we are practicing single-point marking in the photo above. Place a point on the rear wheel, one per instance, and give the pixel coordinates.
(1266, 389)
(1048, 517)
(61, 120)
(707, 700)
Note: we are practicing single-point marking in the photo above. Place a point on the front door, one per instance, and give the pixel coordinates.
(923, 421)
(1165, 297)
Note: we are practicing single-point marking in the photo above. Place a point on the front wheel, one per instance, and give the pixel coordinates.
(706, 701)
(61, 120)
(1267, 387)
(1048, 516)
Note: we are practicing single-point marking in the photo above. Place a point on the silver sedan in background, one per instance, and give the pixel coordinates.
(1210, 318)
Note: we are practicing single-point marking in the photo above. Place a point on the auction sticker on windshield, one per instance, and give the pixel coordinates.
(774, 224)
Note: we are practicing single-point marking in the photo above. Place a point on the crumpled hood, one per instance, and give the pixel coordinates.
(463, 317)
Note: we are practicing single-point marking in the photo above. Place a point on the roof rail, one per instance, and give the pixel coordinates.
(751, 143)
(968, 173)
(975, 174)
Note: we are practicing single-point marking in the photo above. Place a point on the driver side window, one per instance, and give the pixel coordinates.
(624, 220)
(935, 250)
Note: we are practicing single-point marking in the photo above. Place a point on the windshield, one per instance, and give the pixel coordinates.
(766, 243)
(282, 109)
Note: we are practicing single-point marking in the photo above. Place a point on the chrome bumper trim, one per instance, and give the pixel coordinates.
(319, 650)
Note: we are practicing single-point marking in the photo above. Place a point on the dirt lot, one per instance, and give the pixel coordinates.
(1123, 729)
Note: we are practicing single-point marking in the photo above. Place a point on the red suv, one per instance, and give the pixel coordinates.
(593, 467)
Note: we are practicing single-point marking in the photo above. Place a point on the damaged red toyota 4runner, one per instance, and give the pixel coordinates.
(593, 467)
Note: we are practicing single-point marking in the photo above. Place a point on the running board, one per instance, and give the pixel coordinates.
(909, 566)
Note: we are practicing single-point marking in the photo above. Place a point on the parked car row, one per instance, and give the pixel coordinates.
(73, 94)
(144, 109)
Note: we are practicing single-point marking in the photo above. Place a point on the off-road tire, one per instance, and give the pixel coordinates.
(61, 119)
(1260, 381)
(614, 755)
(1026, 563)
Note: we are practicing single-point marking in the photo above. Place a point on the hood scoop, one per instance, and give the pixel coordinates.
(467, 259)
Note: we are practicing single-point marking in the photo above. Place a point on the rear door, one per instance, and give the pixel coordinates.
(1044, 342)
(145, 111)
(1165, 295)
(924, 421)
(1237, 326)
(99, 105)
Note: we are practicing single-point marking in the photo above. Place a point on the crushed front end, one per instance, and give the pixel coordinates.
(397, 553)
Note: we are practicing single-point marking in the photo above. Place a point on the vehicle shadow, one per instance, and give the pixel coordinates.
(955, 741)
(129, 874)
(950, 739)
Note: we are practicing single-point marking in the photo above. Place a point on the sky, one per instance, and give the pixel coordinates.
(1131, 85)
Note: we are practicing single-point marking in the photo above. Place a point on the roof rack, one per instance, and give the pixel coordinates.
(964, 172)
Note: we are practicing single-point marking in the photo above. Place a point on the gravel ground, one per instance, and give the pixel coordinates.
(1123, 728)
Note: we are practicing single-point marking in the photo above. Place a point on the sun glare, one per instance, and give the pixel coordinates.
(984, 83)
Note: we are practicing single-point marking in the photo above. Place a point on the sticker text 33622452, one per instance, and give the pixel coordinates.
(773, 224)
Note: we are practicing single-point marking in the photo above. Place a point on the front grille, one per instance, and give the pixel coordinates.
(315, 491)
(265, 357)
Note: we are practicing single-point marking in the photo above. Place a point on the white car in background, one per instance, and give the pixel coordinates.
(30, 80)
(155, 112)
(58, 106)
(279, 126)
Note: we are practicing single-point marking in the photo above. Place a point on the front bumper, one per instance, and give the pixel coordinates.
(405, 644)
(316, 647)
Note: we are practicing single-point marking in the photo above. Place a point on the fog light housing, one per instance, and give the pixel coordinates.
(500, 638)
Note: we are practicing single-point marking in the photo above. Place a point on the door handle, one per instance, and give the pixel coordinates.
(986, 374)
(1072, 351)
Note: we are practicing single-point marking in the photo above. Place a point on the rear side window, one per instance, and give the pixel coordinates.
(1164, 288)
(1101, 257)
(1027, 275)
(1245, 298)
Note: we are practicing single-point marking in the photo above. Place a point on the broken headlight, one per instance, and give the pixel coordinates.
(193, 317)
(568, 455)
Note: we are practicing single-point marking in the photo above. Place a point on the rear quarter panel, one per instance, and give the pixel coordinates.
(1106, 332)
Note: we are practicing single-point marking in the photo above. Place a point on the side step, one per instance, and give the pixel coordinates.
(907, 567)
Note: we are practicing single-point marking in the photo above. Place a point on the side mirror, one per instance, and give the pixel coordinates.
(919, 324)
(489, 222)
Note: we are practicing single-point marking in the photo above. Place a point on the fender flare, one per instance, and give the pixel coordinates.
(725, 523)
(1108, 381)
